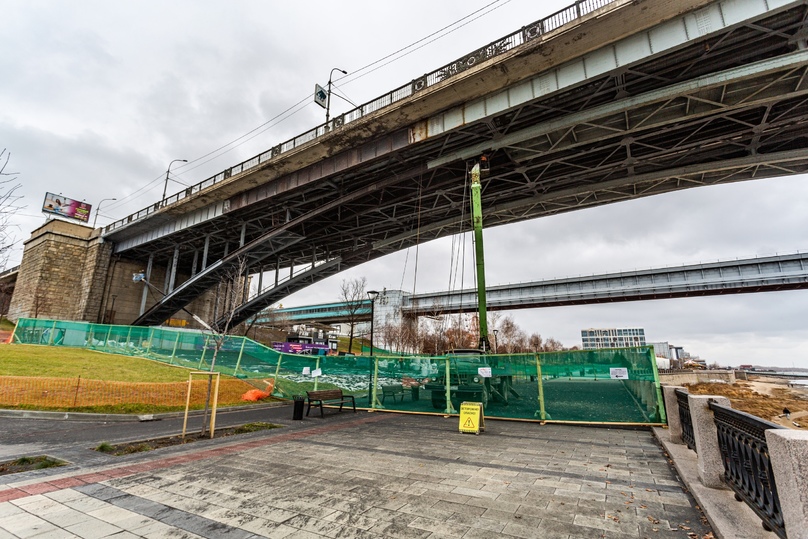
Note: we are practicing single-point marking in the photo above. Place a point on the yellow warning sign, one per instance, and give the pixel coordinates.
(471, 417)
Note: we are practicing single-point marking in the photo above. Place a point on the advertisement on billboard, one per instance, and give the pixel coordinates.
(66, 207)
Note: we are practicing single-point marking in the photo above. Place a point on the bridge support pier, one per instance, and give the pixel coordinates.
(68, 273)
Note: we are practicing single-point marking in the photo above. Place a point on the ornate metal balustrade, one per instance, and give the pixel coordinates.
(684, 418)
(527, 33)
(747, 466)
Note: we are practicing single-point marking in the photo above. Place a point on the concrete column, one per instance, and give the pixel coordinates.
(205, 253)
(172, 276)
(260, 280)
(193, 265)
(243, 234)
(788, 450)
(244, 291)
(672, 412)
(145, 286)
(710, 464)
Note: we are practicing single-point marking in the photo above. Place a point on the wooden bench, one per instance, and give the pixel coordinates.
(329, 396)
(395, 390)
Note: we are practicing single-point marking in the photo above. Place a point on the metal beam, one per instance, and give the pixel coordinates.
(738, 74)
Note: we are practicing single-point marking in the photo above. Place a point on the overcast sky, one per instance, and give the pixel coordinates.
(97, 98)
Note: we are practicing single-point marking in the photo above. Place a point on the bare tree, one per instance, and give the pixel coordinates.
(552, 345)
(535, 342)
(230, 294)
(353, 294)
(40, 301)
(8, 207)
(400, 336)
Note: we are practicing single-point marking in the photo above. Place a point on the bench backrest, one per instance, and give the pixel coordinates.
(324, 394)
(393, 390)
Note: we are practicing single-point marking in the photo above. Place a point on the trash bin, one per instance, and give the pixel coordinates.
(300, 400)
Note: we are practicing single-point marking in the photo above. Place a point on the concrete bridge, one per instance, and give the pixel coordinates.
(605, 101)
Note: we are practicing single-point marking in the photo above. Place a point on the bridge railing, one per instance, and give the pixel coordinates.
(9, 271)
(527, 33)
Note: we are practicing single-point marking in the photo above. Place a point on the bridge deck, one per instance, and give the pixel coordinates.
(645, 100)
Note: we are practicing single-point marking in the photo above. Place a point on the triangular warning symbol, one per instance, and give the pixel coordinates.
(469, 424)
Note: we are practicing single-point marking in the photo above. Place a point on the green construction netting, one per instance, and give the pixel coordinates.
(594, 386)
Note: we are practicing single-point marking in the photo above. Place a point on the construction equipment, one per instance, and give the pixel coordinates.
(473, 375)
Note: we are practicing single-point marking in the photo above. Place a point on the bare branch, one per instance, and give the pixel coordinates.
(8, 207)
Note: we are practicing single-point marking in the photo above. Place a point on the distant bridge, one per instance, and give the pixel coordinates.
(764, 274)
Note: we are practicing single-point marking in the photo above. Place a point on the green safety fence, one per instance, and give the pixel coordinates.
(613, 386)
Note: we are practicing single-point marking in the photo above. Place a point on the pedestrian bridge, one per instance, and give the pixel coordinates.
(602, 102)
(764, 274)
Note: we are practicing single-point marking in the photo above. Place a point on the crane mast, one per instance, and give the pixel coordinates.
(479, 252)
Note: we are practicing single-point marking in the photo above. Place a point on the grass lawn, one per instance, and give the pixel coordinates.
(62, 362)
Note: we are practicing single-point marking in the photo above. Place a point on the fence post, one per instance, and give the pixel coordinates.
(240, 353)
(672, 412)
(375, 401)
(277, 371)
(106, 338)
(128, 338)
(710, 463)
(52, 333)
(151, 336)
(202, 357)
(317, 378)
(449, 408)
(788, 450)
(174, 350)
(542, 411)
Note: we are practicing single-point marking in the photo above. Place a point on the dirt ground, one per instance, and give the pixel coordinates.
(764, 397)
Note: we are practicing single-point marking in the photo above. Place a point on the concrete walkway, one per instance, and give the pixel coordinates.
(364, 475)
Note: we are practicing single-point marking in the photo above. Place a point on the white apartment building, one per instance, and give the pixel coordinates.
(596, 338)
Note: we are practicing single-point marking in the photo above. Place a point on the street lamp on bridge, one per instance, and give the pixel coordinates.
(98, 209)
(328, 96)
(168, 171)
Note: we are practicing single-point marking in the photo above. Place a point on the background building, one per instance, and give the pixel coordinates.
(595, 338)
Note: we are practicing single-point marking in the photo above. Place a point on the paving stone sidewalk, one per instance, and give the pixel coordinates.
(371, 475)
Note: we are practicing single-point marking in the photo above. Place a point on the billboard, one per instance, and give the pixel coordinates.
(66, 207)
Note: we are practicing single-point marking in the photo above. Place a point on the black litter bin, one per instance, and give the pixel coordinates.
(300, 401)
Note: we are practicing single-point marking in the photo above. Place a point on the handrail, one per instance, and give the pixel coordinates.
(747, 465)
(688, 436)
(493, 49)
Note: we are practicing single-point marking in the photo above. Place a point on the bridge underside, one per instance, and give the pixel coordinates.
(725, 108)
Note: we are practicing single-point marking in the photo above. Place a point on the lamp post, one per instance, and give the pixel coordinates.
(372, 294)
(98, 208)
(328, 108)
(495, 340)
(165, 187)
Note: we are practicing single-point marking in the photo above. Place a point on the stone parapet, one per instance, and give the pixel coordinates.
(788, 451)
(672, 413)
(710, 464)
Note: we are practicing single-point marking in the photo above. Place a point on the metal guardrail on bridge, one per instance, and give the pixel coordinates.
(496, 48)
(9, 271)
